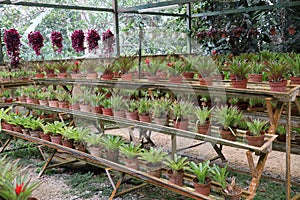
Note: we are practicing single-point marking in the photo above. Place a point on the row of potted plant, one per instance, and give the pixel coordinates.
(111, 145)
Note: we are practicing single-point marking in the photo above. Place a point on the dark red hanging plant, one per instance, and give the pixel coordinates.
(108, 41)
(56, 39)
(77, 38)
(13, 43)
(92, 39)
(36, 41)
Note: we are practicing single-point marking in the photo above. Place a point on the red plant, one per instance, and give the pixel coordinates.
(36, 41)
(19, 188)
(201, 35)
(77, 38)
(13, 43)
(108, 40)
(56, 38)
(92, 39)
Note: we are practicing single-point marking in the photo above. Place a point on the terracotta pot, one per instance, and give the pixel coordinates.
(162, 121)
(257, 141)
(202, 188)
(208, 81)
(278, 86)
(95, 151)
(32, 198)
(242, 84)
(75, 76)
(126, 77)
(132, 163)
(63, 104)
(92, 76)
(107, 111)
(7, 126)
(96, 109)
(204, 129)
(153, 170)
(35, 134)
(107, 76)
(29, 100)
(75, 106)
(85, 108)
(53, 103)
(162, 74)
(175, 79)
(181, 124)
(8, 100)
(50, 75)
(39, 75)
(43, 102)
(44, 136)
(68, 143)
(153, 78)
(120, 113)
(62, 75)
(236, 195)
(55, 139)
(145, 118)
(255, 78)
(227, 135)
(132, 115)
(80, 147)
(17, 129)
(188, 75)
(176, 178)
(112, 155)
(22, 99)
(295, 80)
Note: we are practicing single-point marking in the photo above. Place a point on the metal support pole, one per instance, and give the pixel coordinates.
(117, 30)
(1, 52)
(288, 152)
(189, 27)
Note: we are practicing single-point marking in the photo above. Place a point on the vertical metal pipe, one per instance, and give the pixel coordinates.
(117, 31)
(189, 27)
(1, 52)
(288, 152)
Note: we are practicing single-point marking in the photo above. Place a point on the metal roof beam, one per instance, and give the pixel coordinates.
(249, 9)
(154, 5)
(57, 6)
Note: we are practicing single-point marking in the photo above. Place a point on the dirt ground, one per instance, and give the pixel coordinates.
(53, 185)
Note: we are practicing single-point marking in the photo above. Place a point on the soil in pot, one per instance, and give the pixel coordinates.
(202, 188)
(176, 177)
(227, 135)
(234, 195)
(107, 76)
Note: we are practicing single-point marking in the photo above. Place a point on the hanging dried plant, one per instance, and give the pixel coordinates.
(56, 39)
(92, 39)
(77, 38)
(13, 43)
(36, 41)
(109, 41)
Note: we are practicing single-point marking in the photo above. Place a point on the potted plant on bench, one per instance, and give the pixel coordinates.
(131, 152)
(256, 133)
(112, 144)
(203, 122)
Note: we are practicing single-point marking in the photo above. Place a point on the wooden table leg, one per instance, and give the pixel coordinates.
(288, 152)
(47, 163)
(256, 171)
(274, 116)
(6, 144)
(218, 150)
(117, 186)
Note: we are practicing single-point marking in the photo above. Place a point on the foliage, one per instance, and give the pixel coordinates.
(219, 174)
(34, 124)
(131, 150)
(239, 68)
(201, 170)
(53, 128)
(175, 66)
(132, 105)
(78, 134)
(106, 103)
(154, 156)
(176, 164)
(161, 107)
(182, 109)
(204, 65)
(227, 117)
(144, 106)
(117, 103)
(77, 38)
(63, 95)
(281, 130)
(56, 39)
(124, 64)
(96, 99)
(256, 127)
(276, 71)
(92, 39)
(202, 114)
(3, 113)
(13, 43)
(293, 60)
(152, 66)
(93, 138)
(112, 142)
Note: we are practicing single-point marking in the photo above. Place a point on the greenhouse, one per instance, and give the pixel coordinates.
(144, 100)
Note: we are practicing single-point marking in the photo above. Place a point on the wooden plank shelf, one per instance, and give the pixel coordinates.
(254, 90)
(157, 128)
(104, 163)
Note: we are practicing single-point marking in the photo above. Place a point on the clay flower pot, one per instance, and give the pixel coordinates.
(257, 141)
(132, 115)
(181, 124)
(202, 188)
(255, 78)
(120, 113)
(107, 111)
(227, 135)
(126, 77)
(204, 129)
(145, 118)
(175, 79)
(295, 80)
(241, 84)
(176, 177)
(278, 86)
(188, 75)
(84, 108)
(55, 139)
(208, 81)
(153, 78)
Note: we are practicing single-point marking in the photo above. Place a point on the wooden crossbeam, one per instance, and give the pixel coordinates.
(274, 116)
